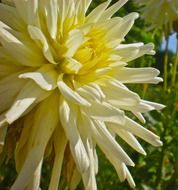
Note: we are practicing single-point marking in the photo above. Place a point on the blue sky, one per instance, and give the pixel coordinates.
(172, 43)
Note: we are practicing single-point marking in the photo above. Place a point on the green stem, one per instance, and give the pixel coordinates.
(166, 64)
(159, 170)
(175, 66)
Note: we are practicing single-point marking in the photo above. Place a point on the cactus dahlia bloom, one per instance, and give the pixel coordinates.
(62, 89)
(160, 13)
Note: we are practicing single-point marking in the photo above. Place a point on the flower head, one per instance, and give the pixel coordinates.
(160, 13)
(62, 88)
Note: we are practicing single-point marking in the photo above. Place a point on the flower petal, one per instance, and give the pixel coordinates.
(39, 138)
(104, 138)
(109, 12)
(138, 75)
(95, 15)
(37, 35)
(10, 17)
(22, 54)
(27, 10)
(74, 41)
(91, 92)
(129, 52)
(68, 115)
(27, 97)
(35, 181)
(70, 94)
(45, 77)
(51, 16)
(105, 112)
(136, 129)
(130, 139)
(59, 148)
(9, 88)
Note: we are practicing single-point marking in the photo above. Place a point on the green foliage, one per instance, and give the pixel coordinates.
(159, 169)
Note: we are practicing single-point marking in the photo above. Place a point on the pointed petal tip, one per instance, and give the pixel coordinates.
(161, 106)
(135, 15)
(158, 143)
(131, 164)
(143, 152)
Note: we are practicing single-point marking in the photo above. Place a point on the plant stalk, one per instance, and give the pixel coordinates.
(175, 66)
(166, 63)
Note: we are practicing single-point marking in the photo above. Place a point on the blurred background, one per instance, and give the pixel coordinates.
(159, 169)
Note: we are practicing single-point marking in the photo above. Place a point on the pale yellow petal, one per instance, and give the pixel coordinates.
(38, 139)
(37, 35)
(9, 89)
(10, 17)
(27, 10)
(95, 15)
(136, 129)
(70, 66)
(27, 98)
(130, 139)
(91, 92)
(123, 27)
(68, 115)
(129, 178)
(106, 141)
(74, 41)
(51, 16)
(138, 75)
(45, 77)
(129, 52)
(23, 54)
(59, 148)
(109, 12)
(105, 112)
(35, 181)
(70, 94)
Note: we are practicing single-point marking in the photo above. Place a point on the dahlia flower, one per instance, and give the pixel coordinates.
(63, 76)
(160, 13)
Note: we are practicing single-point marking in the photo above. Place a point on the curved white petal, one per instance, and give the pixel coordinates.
(129, 52)
(27, 10)
(136, 129)
(70, 94)
(25, 100)
(154, 105)
(124, 25)
(109, 12)
(130, 139)
(104, 138)
(91, 92)
(105, 112)
(68, 115)
(129, 177)
(45, 77)
(138, 75)
(37, 35)
(22, 54)
(74, 41)
(95, 15)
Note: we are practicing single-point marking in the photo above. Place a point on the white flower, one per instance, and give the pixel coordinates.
(160, 13)
(62, 82)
